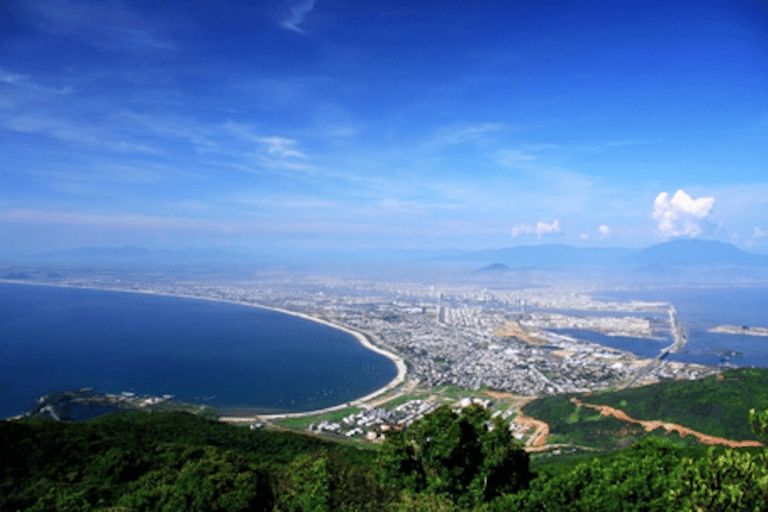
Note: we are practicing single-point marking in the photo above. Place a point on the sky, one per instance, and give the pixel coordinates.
(284, 126)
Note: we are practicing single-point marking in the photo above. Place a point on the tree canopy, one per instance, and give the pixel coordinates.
(467, 457)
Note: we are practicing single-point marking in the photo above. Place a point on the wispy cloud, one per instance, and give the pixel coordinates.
(480, 133)
(274, 145)
(299, 12)
(109, 24)
(121, 221)
(25, 81)
(513, 158)
(74, 132)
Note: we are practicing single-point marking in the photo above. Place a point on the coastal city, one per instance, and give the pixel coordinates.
(461, 334)
(457, 335)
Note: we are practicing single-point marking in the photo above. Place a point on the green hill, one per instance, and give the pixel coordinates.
(132, 460)
(718, 405)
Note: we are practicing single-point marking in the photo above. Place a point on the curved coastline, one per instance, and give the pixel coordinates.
(363, 338)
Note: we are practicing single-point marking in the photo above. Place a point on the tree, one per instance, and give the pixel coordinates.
(727, 479)
(635, 479)
(468, 458)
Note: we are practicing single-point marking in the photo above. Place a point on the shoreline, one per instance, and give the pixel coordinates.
(361, 337)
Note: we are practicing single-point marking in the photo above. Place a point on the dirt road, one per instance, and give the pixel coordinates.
(669, 427)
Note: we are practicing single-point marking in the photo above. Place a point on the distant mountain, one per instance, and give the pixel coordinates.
(662, 258)
(549, 255)
(686, 252)
(495, 267)
(90, 252)
(141, 256)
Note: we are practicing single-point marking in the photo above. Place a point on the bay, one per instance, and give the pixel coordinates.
(237, 358)
(699, 309)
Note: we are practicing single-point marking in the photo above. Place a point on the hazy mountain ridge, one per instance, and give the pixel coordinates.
(660, 259)
(657, 257)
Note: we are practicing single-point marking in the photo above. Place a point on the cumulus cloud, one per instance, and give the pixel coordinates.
(682, 215)
(298, 13)
(541, 229)
(759, 233)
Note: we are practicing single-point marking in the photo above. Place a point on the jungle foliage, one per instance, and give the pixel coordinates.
(446, 461)
(716, 405)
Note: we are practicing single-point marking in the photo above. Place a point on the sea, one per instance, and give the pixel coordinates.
(236, 358)
(698, 310)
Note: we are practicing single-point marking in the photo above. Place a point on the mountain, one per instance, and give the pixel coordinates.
(128, 251)
(688, 252)
(659, 258)
(495, 267)
(548, 256)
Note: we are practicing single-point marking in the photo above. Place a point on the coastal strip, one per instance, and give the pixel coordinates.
(365, 339)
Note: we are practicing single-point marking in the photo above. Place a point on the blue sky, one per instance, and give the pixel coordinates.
(334, 124)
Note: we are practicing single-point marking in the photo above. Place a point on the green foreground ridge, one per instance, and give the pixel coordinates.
(451, 459)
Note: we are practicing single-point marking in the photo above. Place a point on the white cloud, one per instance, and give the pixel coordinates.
(759, 233)
(280, 146)
(298, 13)
(275, 145)
(541, 229)
(603, 231)
(682, 215)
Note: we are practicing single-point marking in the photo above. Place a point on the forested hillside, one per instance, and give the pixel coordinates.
(448, 460)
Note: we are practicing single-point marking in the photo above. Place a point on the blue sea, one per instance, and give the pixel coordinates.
(699, 309)
(236, 358)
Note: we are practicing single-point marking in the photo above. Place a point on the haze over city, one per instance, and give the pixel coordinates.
(333, 125)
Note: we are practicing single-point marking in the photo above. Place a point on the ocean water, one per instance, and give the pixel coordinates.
(699, 309)
(236, 358)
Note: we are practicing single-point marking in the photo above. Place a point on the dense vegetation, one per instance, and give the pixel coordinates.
(175, 461)
(716, 405)
(446, 461)
(466, 458)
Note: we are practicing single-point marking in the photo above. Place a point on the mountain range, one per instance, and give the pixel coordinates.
(686, 252)
(659, 258)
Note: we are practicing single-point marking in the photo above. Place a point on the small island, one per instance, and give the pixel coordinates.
(740, 329)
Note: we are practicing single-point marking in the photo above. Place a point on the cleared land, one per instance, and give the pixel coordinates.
(712, 408)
